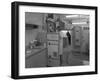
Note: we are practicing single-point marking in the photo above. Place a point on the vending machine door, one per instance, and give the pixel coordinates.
(53, 49)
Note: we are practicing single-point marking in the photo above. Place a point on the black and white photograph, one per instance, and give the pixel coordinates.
(54, 40)
(50, 40)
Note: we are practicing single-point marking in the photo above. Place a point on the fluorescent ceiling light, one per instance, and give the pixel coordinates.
(68, 16)
(77, 16)
(79, 23)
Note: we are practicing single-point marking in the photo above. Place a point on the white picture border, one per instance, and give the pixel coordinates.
(53, 70)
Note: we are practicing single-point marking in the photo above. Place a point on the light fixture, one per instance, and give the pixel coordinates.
(77, 16)
(69, 16)
(79, 23)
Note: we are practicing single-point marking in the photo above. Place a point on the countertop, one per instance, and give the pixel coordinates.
(34, 51)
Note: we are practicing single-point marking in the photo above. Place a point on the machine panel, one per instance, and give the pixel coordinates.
(53, 49)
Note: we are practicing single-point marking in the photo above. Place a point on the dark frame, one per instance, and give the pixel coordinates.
(15, 39)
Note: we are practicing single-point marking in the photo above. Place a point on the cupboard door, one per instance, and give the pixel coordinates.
(77, 36)
(77, 40)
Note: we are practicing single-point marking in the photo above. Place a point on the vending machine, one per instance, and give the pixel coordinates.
(53, 49)
(53, 40)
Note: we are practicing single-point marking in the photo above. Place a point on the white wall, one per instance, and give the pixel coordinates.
(33, 18)
(5, 41)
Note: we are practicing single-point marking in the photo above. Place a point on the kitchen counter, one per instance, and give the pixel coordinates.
(34, 51)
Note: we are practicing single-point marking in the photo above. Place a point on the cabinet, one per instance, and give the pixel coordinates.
(77, 39)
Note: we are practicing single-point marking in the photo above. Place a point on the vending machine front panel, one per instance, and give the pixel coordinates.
(53, 49)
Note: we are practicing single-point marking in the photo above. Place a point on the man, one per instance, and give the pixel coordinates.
(69, 37)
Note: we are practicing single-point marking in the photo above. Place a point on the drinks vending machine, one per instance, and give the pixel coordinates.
(53, 43)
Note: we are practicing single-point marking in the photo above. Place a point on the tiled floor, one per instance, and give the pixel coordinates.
(71, 59)
(68, 59)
